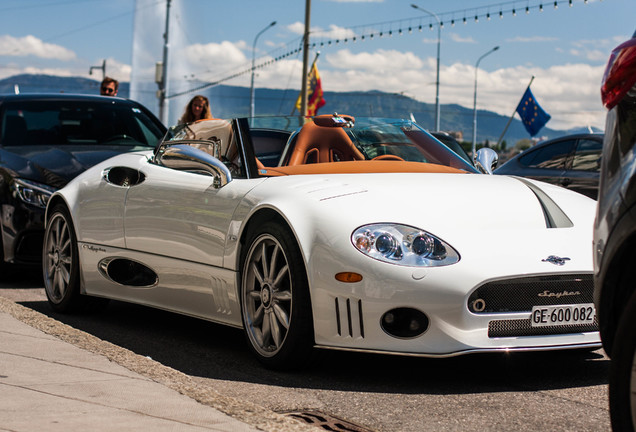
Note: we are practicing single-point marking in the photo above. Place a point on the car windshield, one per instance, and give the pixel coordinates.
(66, 122)
(374, 138)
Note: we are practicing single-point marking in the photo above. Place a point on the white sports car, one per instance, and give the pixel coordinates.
(340, 233)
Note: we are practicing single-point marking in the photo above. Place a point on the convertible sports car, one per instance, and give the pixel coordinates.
(331, 232)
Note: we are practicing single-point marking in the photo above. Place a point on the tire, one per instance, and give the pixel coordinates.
(275, 303)
(60, 266)
(622, 381)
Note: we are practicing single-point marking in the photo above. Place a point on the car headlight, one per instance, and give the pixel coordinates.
(36, 194)
(403, 245)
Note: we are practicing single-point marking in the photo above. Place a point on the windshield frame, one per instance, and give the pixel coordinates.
(411, 134)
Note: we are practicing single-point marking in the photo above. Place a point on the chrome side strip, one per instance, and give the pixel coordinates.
(595, 345)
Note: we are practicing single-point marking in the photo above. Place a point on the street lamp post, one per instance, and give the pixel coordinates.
(439, 39)
(475, 101)
(272, 24)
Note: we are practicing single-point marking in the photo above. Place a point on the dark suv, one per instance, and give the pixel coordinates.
(45, 141)
(615, 235)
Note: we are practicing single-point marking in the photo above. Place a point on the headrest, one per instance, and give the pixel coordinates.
(334, 120)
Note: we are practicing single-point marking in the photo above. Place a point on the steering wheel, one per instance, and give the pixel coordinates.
(388, 157)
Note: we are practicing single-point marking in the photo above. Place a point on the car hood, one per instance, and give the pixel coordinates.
(473, 212)
(462, 199)
(56, 165)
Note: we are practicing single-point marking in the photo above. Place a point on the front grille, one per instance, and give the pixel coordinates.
(522, 327)
(521, 294)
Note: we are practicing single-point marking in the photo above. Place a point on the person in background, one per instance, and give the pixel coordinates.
(109, 87)
(197, 109)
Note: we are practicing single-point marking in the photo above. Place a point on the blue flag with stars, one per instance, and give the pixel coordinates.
(532, 115)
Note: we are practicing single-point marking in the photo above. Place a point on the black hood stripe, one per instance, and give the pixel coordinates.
(554, 216)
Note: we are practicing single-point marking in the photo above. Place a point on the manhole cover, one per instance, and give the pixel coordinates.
(327, 422)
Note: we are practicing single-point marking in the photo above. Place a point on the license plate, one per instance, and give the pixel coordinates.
(562, 315)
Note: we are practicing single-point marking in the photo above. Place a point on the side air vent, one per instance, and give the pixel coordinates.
(349, 320)
(123, 176)
(127, 272)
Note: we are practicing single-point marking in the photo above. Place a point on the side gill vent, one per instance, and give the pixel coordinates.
(220, 294)
(554, 216)
(127, 272)
(349, 318)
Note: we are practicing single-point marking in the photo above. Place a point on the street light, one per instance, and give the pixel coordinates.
(102, 68)
(439, 39)
(272, 24)
(475, 100)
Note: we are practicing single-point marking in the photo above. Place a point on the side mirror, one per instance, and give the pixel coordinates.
(486, 160)
(184, 157)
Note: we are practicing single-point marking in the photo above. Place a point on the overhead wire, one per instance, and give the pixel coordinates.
(403, 26)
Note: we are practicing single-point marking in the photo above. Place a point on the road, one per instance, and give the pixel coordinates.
(553, 391)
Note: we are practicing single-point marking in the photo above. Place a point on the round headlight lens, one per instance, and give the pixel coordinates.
(385, 244)
(404, 245)
(423, 245)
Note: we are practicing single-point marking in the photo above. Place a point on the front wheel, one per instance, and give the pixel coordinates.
(622, 382)
(275, 302)
(60, 265)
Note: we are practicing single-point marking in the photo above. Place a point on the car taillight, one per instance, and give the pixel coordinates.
(620, 73)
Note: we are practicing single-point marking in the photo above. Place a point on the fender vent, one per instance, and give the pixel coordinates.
(327, 422)
(349, 318)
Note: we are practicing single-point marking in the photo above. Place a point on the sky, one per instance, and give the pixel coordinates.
(384, 45)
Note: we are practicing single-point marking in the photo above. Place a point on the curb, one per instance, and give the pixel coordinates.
(243, 411)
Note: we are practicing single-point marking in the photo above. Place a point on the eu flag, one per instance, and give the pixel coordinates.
(532, 115)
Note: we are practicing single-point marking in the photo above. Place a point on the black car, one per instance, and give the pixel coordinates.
(452, 144)
(45, 141)
(615, 235)
(571, 161)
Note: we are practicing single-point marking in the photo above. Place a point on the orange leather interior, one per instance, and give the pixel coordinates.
(317, 144)
(359, 167)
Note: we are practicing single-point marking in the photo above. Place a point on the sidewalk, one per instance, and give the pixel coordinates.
(56, 378)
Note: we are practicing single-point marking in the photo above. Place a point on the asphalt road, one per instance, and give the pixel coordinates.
(552, 391)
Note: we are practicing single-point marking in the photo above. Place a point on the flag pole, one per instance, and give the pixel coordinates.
(303, 88)
(511, 117)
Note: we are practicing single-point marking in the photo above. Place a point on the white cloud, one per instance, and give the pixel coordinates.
(32, 46)
(532, 39)
(116, 69)
(13, 69)
(334, 31)
(296, 28)
(213, 59)
(569, 92)
(379, 61)
(457, 38)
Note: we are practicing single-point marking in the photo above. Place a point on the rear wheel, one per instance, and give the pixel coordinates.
(275, 300)
(622, 386)
(60, 265)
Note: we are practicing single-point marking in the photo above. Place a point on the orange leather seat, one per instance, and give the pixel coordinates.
(320, 144)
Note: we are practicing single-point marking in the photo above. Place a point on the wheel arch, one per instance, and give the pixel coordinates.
(304, 239)
(54, 201)
(260, 216)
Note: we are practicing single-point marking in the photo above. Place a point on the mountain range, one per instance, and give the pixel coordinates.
(234, 101)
